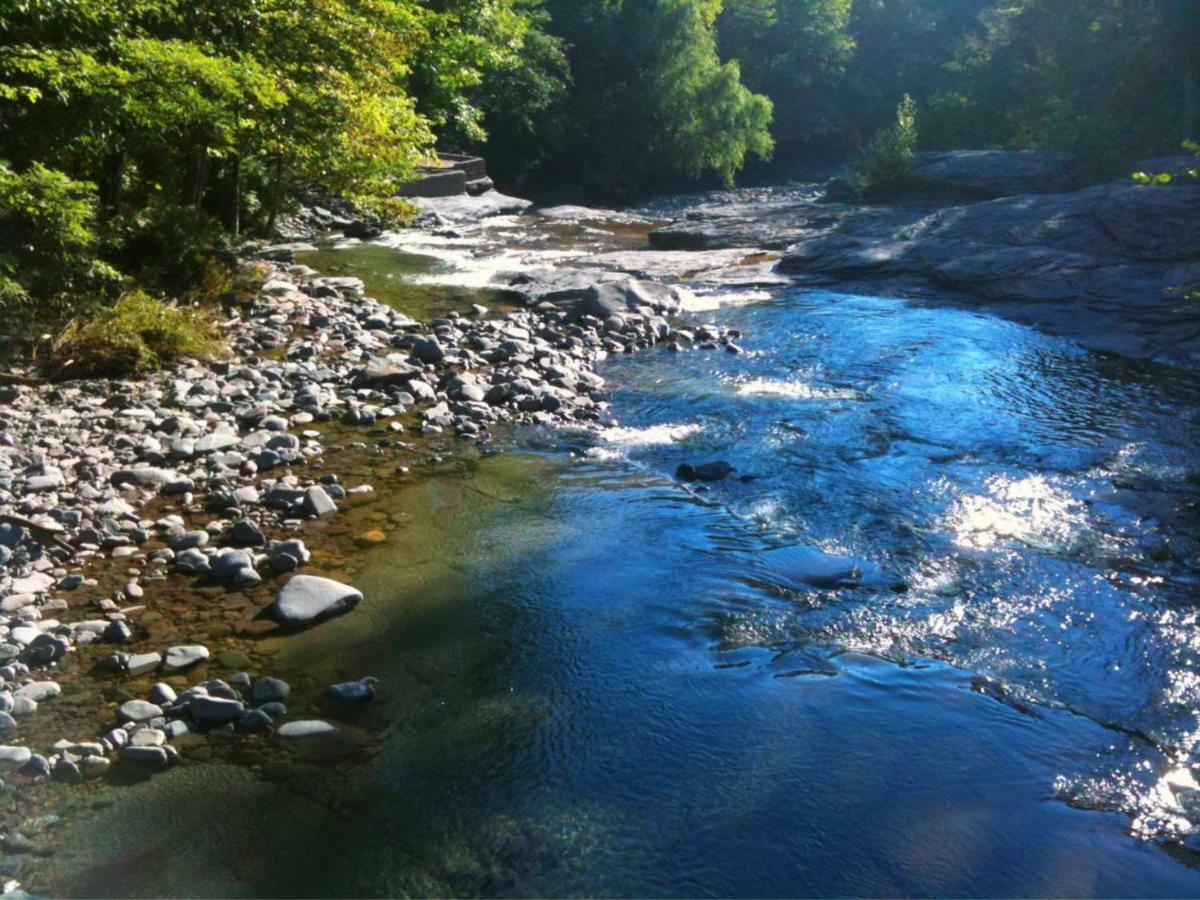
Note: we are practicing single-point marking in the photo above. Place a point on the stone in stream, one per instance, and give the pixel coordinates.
(141, 663)
(117, 632)
(184, 656)
(13, 758)
(247, 534)
(310, 598)
(214, 710)
(94, 766)
(7, 723)
(162, 694)
(254, 721)
(313, 738)
(800, 568)
(711, 471)
(138, 711)
(267, 690)
(151, 757)
(145, 478)
(318, 503)
(362, 691)
(38, 691)
(23, 706)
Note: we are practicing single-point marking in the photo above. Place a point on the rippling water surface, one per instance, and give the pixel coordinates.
(600, 681)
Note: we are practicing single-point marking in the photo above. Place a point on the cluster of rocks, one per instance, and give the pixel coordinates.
(149, 732)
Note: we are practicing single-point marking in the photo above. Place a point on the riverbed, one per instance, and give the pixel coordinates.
(597, 680)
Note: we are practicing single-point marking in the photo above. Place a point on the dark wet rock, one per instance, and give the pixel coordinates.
(148, 757)
(309, 598)
(254, 721)
(710, 471)
(247, 534)
(362, 691)
(987, 174)
(37, 767)
(214, 710)
(275, 709)
(267, 690)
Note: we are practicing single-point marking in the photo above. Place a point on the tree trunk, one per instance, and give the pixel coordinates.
(276, 194)
(233, 218)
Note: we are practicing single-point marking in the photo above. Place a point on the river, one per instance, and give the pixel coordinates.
(596, 680)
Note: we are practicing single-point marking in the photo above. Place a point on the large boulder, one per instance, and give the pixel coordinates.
(466, 208)
(306, 599)
(985, 174)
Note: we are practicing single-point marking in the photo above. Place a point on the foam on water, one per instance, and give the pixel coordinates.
(793, 389)
(703, 302)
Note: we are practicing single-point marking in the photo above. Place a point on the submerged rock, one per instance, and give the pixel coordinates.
(710, 471)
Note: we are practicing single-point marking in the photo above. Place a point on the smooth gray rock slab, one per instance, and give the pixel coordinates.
(184, 656)
(138, 711)
(310, 598)
(141, 663)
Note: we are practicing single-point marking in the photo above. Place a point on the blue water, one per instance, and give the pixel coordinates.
(597, 685)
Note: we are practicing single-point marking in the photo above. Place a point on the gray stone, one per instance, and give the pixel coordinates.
(362, 691)
(138, 711)
(141, 663)
(13, 758)
(267, 690)
(184, 656)
(309, 598)
(39, 691)
(318, 503)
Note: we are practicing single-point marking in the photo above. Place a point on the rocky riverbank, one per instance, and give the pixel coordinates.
(200, 482)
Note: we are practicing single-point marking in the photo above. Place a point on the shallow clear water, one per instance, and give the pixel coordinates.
(596, 684)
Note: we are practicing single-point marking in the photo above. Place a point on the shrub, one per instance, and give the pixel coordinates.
(889, 157)
(48, 249)
(135, 335)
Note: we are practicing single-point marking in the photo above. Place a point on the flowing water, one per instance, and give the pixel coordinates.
(597, 680)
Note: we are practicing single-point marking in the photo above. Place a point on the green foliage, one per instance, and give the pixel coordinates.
(1152, 178)
(1110, 81)
(137, 334)
(889, 157)
(652, 103)
(48, 246)
(795, 52)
